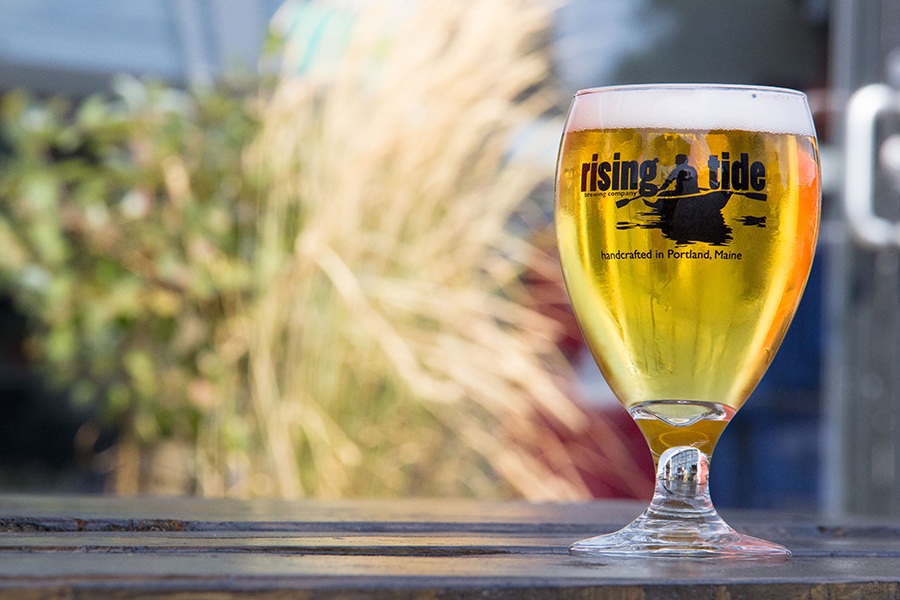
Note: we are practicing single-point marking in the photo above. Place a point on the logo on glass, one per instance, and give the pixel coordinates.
(685, 209)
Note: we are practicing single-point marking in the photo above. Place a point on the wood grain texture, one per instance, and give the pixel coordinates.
(118, 548)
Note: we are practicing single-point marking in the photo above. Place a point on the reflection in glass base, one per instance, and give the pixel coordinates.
(680, 521)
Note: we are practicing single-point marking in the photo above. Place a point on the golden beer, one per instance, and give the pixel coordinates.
(688, 306)
(662, 432)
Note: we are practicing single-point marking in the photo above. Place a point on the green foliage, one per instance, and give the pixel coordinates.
(123, 228)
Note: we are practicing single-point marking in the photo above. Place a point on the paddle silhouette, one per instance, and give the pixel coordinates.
(703, 191)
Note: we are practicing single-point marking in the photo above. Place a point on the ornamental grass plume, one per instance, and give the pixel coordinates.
(391, 348)
(312, 290)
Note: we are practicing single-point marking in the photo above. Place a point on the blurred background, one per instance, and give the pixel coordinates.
(304, 248)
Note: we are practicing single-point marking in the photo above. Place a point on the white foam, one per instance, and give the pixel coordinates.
(692, 106)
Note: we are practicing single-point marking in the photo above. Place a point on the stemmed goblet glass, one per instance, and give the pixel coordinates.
(686, 219)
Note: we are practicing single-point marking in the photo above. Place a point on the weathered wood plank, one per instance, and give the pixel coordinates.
(188, 548)
(232, 574)
(283, 511)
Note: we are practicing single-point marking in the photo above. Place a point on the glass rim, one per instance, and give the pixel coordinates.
(736, 87)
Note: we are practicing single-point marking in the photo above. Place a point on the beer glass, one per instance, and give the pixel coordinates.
(686, 220)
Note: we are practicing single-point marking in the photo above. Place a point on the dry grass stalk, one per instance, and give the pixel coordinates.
(389, 349)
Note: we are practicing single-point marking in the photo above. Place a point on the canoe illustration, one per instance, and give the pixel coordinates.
(672, 206)
(690, 217)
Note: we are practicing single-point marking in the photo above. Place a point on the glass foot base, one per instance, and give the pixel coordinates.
(680, 521)
(650, 537)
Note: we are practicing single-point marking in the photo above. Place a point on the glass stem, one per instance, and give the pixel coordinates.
(681, 520)
(682, 487)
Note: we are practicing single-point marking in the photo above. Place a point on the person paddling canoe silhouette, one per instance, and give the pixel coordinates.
(685, 213)
(684, 176)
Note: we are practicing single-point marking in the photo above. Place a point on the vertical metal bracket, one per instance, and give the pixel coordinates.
(863, 110)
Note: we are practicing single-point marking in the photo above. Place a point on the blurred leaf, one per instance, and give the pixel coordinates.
(109, 262)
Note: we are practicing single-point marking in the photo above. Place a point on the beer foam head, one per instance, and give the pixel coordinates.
(692, 106)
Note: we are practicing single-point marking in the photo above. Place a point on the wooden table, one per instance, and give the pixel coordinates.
(87, 547)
